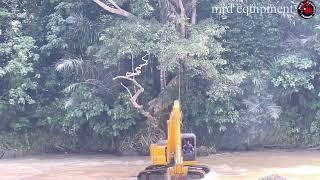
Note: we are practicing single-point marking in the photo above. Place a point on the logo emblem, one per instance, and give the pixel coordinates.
(306, 9)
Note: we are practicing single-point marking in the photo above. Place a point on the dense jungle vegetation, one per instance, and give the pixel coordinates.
(101, 75)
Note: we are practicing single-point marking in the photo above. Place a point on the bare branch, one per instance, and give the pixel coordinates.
(114, 4)
(116, 10)
(127, 89)
(130, 76)
(132, 69)
(137, 70)
(162, 79)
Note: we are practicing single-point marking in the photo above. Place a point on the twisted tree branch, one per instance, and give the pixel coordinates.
(130, 76)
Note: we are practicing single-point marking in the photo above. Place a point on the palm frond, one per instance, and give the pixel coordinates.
(68, 103)
(71, 87)
(69, 65)
(252, 105)
(274, 111)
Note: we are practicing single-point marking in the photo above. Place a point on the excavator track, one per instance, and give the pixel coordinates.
(152, 167)
(152, 173)
(204, 168)
(195, 174)
(160, 173)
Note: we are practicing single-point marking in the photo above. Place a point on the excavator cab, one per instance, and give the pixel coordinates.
(188, 147)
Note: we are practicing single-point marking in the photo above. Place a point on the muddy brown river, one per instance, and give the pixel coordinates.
(293, 165)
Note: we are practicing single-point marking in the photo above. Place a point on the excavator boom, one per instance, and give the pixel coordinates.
(174, 146)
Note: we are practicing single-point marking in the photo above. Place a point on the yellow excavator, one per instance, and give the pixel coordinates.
(174, 158)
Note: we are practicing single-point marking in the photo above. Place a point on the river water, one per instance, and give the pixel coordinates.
(293, 165)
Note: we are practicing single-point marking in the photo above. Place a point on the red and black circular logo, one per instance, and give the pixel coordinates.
(306, 9)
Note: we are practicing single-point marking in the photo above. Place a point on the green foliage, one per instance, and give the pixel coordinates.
(4, 13)
(83, 105)
(69, 28)
(141, 8)
(19, 69)
(205, 115)
(58, 60)
(122, 115)
(125, 38)
(294, 71)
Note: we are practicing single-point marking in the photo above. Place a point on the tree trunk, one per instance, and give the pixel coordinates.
(194, 12)
(162, 79)
(182, 18)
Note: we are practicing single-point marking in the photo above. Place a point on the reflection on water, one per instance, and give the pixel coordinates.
(225, 166)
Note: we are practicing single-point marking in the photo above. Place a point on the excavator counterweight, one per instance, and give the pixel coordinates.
(174, 158)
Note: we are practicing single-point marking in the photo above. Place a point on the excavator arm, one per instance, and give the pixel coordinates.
(174, 145)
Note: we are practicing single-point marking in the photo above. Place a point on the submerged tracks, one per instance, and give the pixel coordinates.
(160, 173)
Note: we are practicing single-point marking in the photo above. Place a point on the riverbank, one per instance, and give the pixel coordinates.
(250, 165)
